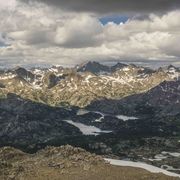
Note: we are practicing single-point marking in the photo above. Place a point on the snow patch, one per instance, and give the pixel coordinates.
(147, 167)
(174, 154)
(87, 130)
(87, 79)
(7, 76)
(169, 168)
(126, 118)
(81, 112)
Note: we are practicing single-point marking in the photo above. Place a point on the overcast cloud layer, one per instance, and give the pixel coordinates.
(55, 33)
(112, 6)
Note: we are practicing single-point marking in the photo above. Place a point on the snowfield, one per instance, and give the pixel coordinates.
(147, 167)
(81, 112)
(87, 130)
(126, 118)
(174, 154)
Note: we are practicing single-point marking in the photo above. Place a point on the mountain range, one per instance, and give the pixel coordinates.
(121, 111)
(81, 85)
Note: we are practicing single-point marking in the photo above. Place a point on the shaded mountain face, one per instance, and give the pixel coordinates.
(50, 80)
(162, 100)
(24, 123)
(2, 85)
(81, 85)
(23, 73)
(117, 67)
(93, 67)
(98, 69)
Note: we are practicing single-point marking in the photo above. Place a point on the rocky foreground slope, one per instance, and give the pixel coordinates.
(66, 163)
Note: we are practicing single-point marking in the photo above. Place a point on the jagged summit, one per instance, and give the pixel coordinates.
(118, 66)
(93, 67)
(97, 68)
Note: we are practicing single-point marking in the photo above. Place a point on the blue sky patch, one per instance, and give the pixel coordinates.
(116, 19)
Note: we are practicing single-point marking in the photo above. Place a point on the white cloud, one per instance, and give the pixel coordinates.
(37, 33)
(80, 31)
(8, 4)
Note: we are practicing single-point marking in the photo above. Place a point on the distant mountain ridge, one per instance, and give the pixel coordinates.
(97, 68)
(82, 84)
(162, 100)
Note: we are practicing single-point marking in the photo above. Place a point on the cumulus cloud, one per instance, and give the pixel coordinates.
(37, 33)
(112, 6)
(80, 32)
(10, 4)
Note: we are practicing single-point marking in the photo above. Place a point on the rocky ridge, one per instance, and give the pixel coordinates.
(67, 163)
(81, 85)
(162, 100)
